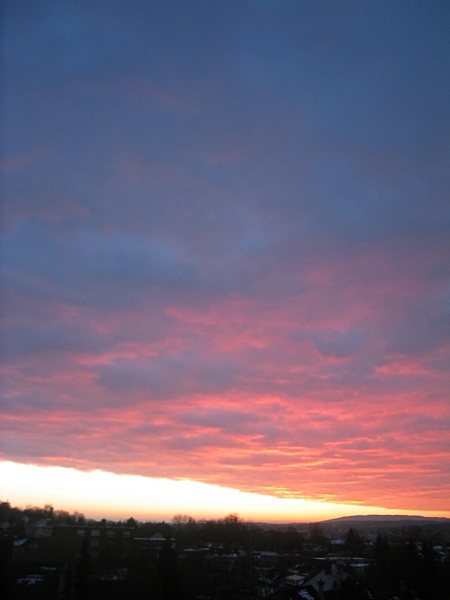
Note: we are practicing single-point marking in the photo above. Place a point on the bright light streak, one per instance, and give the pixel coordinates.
(100, 494)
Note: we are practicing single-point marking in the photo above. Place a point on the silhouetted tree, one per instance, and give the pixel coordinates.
(354, 545)
(186, 530)
(317, 535)
(131, 523)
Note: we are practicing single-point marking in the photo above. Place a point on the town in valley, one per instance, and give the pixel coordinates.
(53, 554)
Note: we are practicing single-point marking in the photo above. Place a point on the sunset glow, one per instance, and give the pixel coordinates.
(225, 258)
(106, 495)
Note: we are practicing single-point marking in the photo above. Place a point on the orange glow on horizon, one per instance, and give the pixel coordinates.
(100, 494)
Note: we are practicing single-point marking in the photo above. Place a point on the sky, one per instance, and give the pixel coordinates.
(226, 247)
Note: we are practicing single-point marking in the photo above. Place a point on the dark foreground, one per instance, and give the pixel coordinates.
(55, 555)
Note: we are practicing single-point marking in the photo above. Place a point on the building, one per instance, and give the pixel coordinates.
(331, 577)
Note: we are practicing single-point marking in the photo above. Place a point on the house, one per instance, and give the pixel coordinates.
(157, 541)
(329, 578)
(40, 529)
(153, 545)
(295, 580)
(100, 538)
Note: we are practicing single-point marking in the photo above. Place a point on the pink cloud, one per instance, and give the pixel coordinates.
(226, 251)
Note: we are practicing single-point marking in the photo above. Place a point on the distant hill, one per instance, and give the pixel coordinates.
(411, 519)
(367, 521)
(377, 523)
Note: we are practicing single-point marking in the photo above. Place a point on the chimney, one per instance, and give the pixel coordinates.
(321, 583)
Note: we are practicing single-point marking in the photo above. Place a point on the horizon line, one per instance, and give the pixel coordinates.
(104, 494)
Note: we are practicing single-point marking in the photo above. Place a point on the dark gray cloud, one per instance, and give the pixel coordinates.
(21, 340)
(339, 344)
(231, 420)
(165, 377)
(79, 266)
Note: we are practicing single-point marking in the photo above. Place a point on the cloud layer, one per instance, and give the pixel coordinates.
(226, 244)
